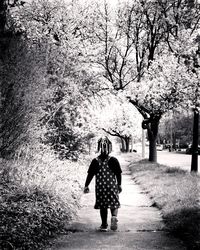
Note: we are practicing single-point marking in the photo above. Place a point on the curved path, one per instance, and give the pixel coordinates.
(140, 224)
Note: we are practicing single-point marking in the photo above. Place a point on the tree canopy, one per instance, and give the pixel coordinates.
(143, 51)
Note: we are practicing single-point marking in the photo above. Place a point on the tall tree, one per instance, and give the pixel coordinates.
(128, 46)
(193, 64)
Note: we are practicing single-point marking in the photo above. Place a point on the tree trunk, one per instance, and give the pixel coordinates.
(194, 165)
(131, 138)
(152, 134)
(123, 145)
(127, 140)
(174, 141)
(152, 150)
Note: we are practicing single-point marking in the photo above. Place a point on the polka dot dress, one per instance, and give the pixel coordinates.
(106, 187)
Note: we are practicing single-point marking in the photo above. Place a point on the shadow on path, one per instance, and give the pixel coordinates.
(140, 224)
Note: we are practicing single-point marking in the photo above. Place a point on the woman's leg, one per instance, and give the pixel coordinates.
(114, 211)
(114, 219)
(104, 216)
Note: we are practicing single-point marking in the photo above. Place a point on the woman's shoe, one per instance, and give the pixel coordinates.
(113, 225)
(103, 228)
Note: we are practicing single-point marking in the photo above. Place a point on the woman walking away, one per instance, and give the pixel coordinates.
(107, 171)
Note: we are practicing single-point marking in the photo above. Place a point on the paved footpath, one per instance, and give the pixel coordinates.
(140, 225)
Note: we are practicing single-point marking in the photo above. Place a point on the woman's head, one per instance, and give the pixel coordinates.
(104, 146)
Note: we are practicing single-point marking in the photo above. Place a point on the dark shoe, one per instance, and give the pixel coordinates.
(103, 228)
(113, 225)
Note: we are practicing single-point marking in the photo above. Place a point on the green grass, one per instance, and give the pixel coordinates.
(177, 194)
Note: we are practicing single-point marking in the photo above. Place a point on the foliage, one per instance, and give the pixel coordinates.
(180, 124)
(134, 47)
(66, 120)
(39, 197)
(29, 216)
(117, 118)
(46, 59)
(5, 7)
(124, 122)
(163, 87)
(121, 118)
(128, 50)
(21, 85)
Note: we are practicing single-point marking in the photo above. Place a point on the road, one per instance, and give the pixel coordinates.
(176, 159)
(172, 159)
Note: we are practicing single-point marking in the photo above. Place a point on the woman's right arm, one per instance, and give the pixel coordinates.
(91, 173)
(89, 179)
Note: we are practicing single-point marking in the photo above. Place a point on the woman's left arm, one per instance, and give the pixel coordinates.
(116, 168)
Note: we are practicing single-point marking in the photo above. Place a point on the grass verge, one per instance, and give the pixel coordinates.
(177, 194)
(38, 198)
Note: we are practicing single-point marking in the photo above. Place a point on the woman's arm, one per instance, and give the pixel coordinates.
(90, 175)
(116, 168)
(88, 179)
(119, 181)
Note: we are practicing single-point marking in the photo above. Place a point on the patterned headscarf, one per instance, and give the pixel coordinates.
(104, 145)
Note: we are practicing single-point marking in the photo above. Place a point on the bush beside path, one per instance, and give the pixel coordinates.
(140, 222)
(37, 199)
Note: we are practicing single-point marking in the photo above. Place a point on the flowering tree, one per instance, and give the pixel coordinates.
(142, 33)
(187, 48)
(122, 121)
(193, 64)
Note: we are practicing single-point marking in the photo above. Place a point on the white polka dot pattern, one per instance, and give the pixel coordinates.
(106, 187)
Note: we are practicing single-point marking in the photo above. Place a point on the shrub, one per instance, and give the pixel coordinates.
(30, 215)
(38, 198)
